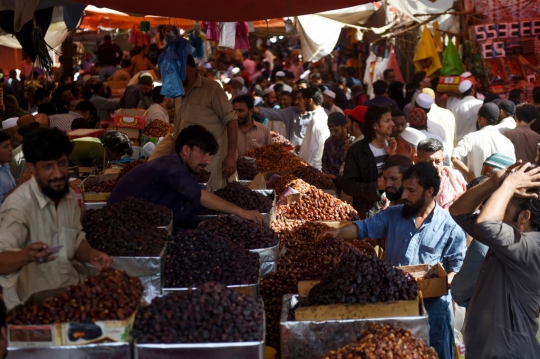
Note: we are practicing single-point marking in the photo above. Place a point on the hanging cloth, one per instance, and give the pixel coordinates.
(242, 36)
(197, 44)
(133, 36)
(212, 33)
(227, 34)
(172, 64)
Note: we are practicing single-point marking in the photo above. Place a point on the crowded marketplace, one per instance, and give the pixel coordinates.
(308, 180)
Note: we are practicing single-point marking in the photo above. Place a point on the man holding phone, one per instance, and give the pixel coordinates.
(40, 227)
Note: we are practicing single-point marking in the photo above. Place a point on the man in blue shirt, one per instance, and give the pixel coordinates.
(171, 181)
(381, 98)
(419, 232)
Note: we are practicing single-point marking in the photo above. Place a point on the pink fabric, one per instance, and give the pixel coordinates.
(394, 65)
(453, 185)
(242, 38)
(212, 30)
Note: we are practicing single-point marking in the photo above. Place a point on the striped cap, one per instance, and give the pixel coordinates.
(499, 161)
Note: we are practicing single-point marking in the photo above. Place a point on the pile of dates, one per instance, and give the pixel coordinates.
(292, 181)
(212, 313)
(158, 128)
(152, 214)
(110, 295)
(195, 257)
(314, 177)
(246, 169)
(203, 177)
(247, 234)
(360, 279)
(385, 341)
(280, 140)
(275, 158)
(107, 186)
(243, 197)
(315, 205)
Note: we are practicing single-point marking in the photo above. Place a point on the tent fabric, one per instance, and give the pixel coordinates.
(54, 38)
(416, 7)
(394, 65)
(451, 63)
(318, 36)
(238, 10)
(426, 57)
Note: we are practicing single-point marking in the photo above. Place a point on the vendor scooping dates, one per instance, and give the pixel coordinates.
(171, 180)
(40, 224)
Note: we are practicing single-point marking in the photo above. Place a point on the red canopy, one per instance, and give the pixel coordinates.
(222, 10)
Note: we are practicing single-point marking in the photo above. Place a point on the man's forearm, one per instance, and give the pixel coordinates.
(213, 202)
(458, 164)
(11, 262)
(83, 252)
(472, 199)
(232, 137)
(348, 232)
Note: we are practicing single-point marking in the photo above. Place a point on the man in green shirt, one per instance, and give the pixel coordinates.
(95, 152)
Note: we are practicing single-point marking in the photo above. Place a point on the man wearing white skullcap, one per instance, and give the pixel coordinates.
(443, 117)
(425, 102)
(238, 88)
(469, 76)
(408, 141)
(280, 77)
(465, 109)
(328, 101)
(9, 126)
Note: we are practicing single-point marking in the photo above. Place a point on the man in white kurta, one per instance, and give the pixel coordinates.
(465, 110)
(317, 130)
(443, 117)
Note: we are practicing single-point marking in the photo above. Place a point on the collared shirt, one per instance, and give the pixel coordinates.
(104, 106)
(63, 121)
(501, 321)
(506, 124)
(7, 182)
(164, 181)
(28, 216)
(256, 136)
(87, 152)
(525, 142)
(479, 145)
(157, 112)
(296, 123)
(466, 112)
(316, 133)
(447, 120)
(18, 163)
(334, 155)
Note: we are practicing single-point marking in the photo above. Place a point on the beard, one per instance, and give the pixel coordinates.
(54, 194)
(394, 196)
(409, 210)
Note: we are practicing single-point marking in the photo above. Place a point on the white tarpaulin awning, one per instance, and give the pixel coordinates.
(411, 8)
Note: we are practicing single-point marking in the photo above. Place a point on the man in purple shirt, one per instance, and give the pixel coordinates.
(379, 89)
(171, 181)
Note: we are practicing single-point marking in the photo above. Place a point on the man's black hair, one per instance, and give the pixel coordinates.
(80, 123)
(99, 86)
(117, 142)
(430, 145)
(350, 71)
(46, 144)
(196, 135)
(316, 76)
(536, 94)
(313, 93)
(301, 81)
(40, 94)
(398, 113)
(468, 92)
(4, 136)
(526, 112)
(60, 90)
(86, 106)
(278, 88)
(47, 108)
(157, 97)
(426, 174)
(285, 93)
(61, 105)
(387, 71)
(248, 100)
(380, 87)
(403, 163)
(191, 61)
(373, 115)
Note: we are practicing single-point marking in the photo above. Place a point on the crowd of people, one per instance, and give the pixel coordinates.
(447, 178)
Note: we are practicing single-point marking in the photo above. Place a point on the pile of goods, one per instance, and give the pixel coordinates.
(195, 257)
(275, 158)
(315, 205)
(203, 177)
(128, 228)
(360, 279)
(314, 177)
(292, 181)
(110, 295)
(158, 128)
(247, 234)
(384, 341)
(243, 197)
(107, 186)
(280, 140)
(211, 314)
(246, 169)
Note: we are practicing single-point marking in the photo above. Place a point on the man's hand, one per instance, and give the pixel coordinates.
(297, 148)
(330, 232)
(229, 166)
(99, 260)
(391, 147)
(522, 181)
(253, 216)
(37, 253)
(25, 176)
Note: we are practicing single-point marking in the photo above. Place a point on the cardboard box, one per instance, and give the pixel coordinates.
(27, 336)
(94, 181)
(131, 118)
(133, 133)
(104, 331)
(86, 132)
(433, 287)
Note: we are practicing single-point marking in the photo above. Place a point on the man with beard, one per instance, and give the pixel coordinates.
(138, 95)
(392, 179)
(251, 134)
(40, 228)
(171, 181)
(317, 130)
(419, 232)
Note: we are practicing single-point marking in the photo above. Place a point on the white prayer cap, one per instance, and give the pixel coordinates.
(235, 71)
(239, 79)
(287, 88)
(466, 74)
(280, 74)
(9, 123)
(424, 100)
(330, 93)
(267, 91)
(465, 86)
(412, 136)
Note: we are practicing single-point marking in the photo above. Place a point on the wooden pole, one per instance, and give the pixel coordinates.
(67, 57)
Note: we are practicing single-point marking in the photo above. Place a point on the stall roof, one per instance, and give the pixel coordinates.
(219, 10)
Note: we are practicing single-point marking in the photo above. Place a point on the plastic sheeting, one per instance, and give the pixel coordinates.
(318, 36)
(413, 8)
